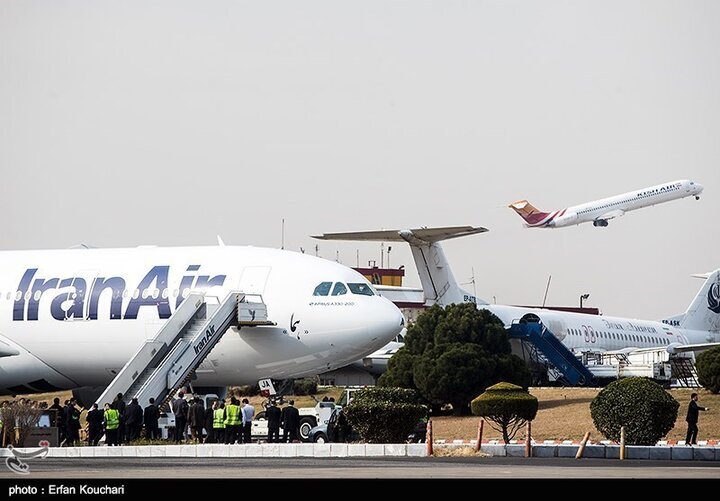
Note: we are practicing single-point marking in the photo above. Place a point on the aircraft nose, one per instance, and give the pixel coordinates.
(388, 322)
(699, 188)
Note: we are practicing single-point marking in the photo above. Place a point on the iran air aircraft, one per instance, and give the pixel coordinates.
(71, 319)
(601, 211)
(695, 330)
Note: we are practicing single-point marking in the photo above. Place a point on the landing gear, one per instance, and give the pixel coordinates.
(697, 197)
(600, 222)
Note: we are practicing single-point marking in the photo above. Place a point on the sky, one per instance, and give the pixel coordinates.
(170, 122)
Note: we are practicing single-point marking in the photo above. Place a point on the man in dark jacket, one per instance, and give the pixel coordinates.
(119, 405)
(151, 417)
(133, 419)
(290, 420)
(72, 423)
(95, 425)
(197, 420)
(273, 415)
(692, 419)
(180, 409)
(209, 415)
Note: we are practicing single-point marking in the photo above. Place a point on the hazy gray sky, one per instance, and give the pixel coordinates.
(168, 122)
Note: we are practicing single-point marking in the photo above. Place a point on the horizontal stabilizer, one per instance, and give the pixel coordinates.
(428, 235)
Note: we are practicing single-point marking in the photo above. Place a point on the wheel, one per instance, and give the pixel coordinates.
(320, 438)
(306, 424)
(260, 416)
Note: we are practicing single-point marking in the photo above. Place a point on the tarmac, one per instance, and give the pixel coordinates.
(380, 467)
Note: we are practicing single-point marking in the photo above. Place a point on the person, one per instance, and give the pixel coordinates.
(692, 419)
(180, 408)
(272, 413)
(133, 420)
(290, 421)
(233, 421)
(72, 423)
(62, 423)
(151, 416)
(208, 424)
(218, 422)
(112, 423)
(119, 405)
(95, 425)
(57, 408)
(197, 420)
(248, 412)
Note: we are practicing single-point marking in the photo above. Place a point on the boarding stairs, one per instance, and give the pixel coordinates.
(563, 364)
(683, 372)
(167, 361)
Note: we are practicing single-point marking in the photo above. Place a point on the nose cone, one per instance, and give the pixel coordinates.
(699, 188)
(387, 324)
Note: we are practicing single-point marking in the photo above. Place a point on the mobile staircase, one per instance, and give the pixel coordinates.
(568, 369)
(164, 363)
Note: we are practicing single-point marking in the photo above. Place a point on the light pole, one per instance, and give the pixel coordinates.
(582, 297)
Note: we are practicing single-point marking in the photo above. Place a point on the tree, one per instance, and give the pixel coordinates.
(507, 407)
(384, 415)
(453, 354)
(646, 411)
(708, 368)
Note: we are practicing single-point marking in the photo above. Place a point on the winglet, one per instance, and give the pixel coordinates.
(220, 241)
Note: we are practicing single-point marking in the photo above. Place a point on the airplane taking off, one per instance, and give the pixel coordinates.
(600, 211)
(695, 330)
(71, 319)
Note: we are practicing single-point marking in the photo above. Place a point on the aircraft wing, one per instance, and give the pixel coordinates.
(425, 234)
(683, 348)
(610, 215)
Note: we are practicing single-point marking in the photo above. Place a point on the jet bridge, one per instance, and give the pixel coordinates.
(164, 363)
(545, 347)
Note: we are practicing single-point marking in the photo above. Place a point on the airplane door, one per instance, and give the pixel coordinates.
(253, 279)
(77, 303)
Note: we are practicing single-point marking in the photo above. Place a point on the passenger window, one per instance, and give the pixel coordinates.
(361, 289)
(323, 289)
(339, 289)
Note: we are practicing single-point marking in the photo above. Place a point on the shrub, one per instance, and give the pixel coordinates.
(307, 386)
(646, 411)
(384, 415)
(708, 369)
(18, 418)
(453, 354)
(507, 407)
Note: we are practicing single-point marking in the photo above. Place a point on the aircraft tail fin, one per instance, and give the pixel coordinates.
(438, 283)
(704, 312)
(531, 215)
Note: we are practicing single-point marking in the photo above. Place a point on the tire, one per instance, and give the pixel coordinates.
(320, 438)
(306, 424)
(260, 416)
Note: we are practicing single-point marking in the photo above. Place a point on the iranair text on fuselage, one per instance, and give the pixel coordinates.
(73, 298)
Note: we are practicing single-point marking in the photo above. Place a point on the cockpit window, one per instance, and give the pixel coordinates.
(361, 289)
(339, 289)
(323, 289)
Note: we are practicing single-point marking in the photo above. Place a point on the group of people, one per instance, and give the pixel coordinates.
(231, 423)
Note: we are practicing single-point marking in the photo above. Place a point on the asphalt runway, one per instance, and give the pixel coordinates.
(303, 468)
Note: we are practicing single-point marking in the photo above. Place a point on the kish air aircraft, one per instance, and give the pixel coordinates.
(71, 319)
(601, 211)
(695, 330)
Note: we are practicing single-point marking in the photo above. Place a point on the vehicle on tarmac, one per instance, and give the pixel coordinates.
(309, 418)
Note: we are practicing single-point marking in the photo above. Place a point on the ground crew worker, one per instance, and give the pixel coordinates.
(112, 423)
(218, 422)
(233, 421)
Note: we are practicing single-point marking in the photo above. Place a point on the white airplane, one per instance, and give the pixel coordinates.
(600, 211)
(71, 319)
(695, 330)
